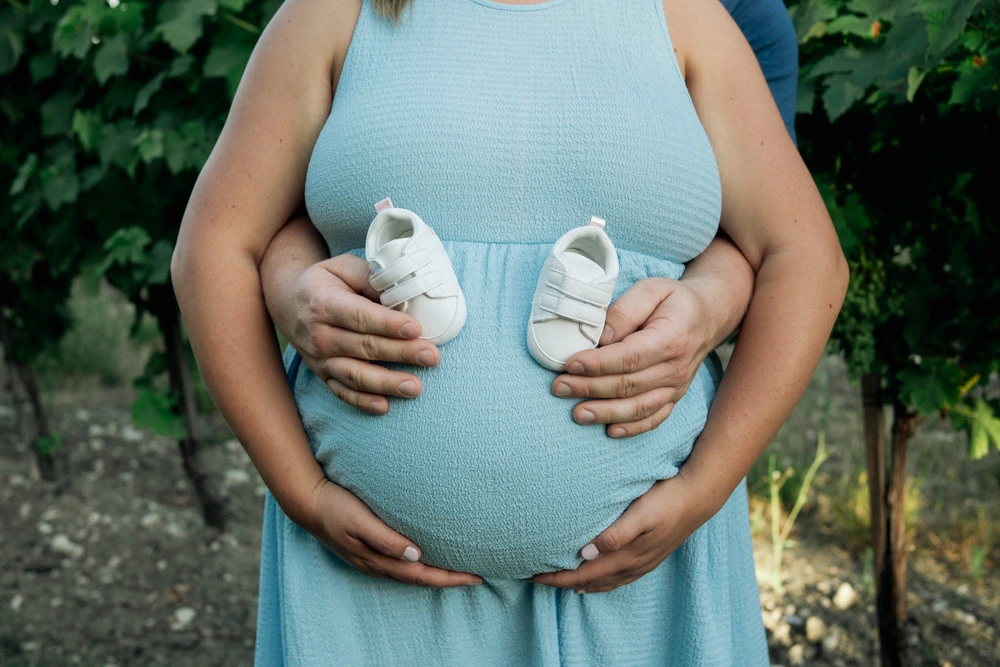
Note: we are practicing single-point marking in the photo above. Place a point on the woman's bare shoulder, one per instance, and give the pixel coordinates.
(314, 34)
(689, 21)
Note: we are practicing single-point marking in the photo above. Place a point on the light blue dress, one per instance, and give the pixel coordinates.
(503, 126)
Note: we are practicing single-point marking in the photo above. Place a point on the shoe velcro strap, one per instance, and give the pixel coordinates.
(404, 266)
(408, 289)
(578, 289)
(577, 311)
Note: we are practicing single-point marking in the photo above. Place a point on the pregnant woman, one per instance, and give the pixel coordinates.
(504, 125)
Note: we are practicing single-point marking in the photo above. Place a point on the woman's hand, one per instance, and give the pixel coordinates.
(331, 314)
(347, 527)
(652, 527)
(656, 335)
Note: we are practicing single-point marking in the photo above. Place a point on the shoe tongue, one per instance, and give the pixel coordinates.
(389, 253)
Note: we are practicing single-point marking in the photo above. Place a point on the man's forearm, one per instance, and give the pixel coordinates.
(724, 280)
(295, 247)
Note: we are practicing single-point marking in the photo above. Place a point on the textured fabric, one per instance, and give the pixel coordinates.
(503, 126)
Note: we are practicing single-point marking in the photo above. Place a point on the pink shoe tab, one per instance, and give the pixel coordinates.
(382, 205)
(597, 222)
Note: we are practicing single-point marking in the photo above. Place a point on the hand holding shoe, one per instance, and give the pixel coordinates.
(331, 315)
(657, 334)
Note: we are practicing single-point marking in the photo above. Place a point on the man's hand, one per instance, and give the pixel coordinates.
(656, 335)
(331, 314)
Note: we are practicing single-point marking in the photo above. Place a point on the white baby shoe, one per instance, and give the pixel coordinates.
(411, 269)
(572, 295)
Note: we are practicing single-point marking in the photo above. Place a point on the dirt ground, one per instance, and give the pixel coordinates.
(112, 565)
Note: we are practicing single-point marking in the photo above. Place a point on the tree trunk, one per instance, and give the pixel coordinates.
(904, 424)
(28, 401)
(212, 507)
(887, 500)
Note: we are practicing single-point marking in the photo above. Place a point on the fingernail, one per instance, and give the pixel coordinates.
(580, 591)
(562, 389)
(425, 357)
(575, 367)
(608, 333)
(408, 387)
(589, 552)
(616, 432)
(411, 554)
(376, 406)
(585, 416)
(409, 329)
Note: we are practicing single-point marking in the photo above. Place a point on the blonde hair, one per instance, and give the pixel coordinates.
(390, 8)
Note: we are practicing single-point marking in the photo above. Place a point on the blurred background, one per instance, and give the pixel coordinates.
(130, 518)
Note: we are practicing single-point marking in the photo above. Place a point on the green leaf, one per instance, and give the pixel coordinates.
(159, 263)
(228, 62)
(23, 174)
(92, 175)
(842, 91)
(74, 34)
(147, 91)
(850, 220)
(86, 126)
(930, 389)
(913, 80)
(127, 16)
(11, 46)
(985, 429)
(235, 5)
(809, 19)
(905, 47)
(850, 25)
(116, 144)
(853, 70)
(60, 188)
(972, 40)
(805, 99)
(187, 146)
(180, 66)
(125, 246)
(973, 79)
(946, 19)
(42, 66)
(181, 22)
(48, 444)
(111, 59)
(57, 113)
(878, 9)
(154, 410)
(150, 144)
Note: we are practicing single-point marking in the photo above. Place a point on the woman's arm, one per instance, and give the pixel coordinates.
(251, 184)
(775, 215)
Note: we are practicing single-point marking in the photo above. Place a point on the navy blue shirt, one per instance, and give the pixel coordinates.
(769, 30)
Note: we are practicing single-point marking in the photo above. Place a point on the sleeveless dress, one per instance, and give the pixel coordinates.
(503, 126)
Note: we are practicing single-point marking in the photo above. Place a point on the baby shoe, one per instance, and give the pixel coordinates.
(411, 269)
(572, 295)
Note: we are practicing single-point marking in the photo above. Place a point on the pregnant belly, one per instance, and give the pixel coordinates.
(486, 470)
